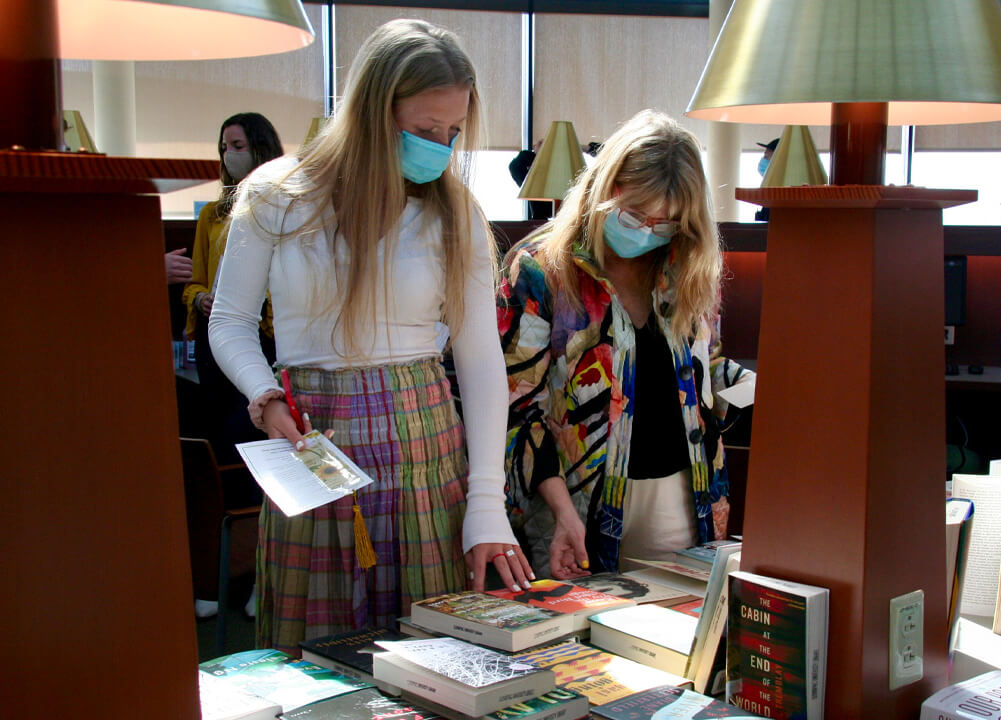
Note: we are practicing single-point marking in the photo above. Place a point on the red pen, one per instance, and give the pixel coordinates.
(290, 401)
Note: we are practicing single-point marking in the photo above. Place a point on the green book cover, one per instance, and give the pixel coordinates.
(487, 610)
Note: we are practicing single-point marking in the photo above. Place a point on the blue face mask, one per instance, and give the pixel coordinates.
(763, 165)
(423, 160)
(627, 242)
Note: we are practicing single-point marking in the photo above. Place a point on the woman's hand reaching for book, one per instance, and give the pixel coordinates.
(567, 551)
(511, 564)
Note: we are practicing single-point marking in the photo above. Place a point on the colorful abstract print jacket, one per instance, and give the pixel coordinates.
(571, 379)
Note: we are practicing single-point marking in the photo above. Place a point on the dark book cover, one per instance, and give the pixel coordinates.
(667, 702)
(367, 704)
(349, 650)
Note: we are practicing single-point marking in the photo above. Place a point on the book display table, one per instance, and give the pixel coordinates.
(845, 478)
(97, 585)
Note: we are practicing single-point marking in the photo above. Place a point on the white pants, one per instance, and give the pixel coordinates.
(658, 517)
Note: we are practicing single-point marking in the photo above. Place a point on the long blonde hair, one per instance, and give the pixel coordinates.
(353, 166)
(650, 159)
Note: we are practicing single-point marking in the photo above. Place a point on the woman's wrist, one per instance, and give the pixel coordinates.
(259, 403)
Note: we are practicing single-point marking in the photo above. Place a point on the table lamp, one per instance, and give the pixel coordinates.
(851, 320)
(555, 166)
(97, 581)
(795, 160)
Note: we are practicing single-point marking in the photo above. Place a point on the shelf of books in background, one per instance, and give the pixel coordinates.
(776, 648)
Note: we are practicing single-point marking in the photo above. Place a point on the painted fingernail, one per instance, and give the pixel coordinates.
(305, 417)
(531, 576)
(528, 586)
(300, 445)
(585, 565)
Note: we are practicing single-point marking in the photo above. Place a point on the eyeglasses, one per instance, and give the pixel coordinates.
(634, 221)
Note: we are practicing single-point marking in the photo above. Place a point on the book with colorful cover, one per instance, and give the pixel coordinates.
(348, 653)
(367, 704)
(456, 674)
(598, 675)
(578, 602)
(557, 704)
(776, 646)
(632, 587)
(666, 702)
(978, 698)
(277, 677)
(650, 634)
(490, 620)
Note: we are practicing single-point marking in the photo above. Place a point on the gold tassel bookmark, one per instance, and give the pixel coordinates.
(363, 543)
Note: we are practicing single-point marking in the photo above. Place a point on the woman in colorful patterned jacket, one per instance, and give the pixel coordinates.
(607, 316)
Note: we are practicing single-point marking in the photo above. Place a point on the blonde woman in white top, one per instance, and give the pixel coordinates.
(367, 241)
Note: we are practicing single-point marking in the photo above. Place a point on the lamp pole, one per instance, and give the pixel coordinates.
(858, 143)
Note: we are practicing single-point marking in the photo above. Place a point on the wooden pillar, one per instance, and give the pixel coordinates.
(96, 587)
(846, 476)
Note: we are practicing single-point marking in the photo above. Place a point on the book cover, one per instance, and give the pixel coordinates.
(221, 701)
(978, 698)
(277, 677)
(665, 702)
(776, 646)
(489, 620)
(348, 653)
(468, 678)
(597, 675)
(980, 586)
(712, 618)
(554, 705)
(367, 704)
(958, 523)
(650, 634)
(627, 585)
(579, 602)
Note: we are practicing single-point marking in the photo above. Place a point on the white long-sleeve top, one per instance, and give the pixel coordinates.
(408, 310)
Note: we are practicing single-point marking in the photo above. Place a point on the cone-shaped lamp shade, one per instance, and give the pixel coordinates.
(315, 125)
(556, 164)
(786, 61)
(795, 161)
(180, 29)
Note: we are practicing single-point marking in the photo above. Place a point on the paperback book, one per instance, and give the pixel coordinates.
(279, 678)
(367, 704)
(578, 602)
(777, 647)
(412, 631)
(688, 570)
(666, 703)
(978, 698)
(712, 619)
(557, 704)
(489, 620)
(656, 636)
(632, 587)
(221, 701)
(348, 653)
(455, 674)
(598, 675)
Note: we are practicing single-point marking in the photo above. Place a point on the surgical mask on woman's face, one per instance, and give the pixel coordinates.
(238, 163)
(423, 160)
(630, 242)
(763, 165)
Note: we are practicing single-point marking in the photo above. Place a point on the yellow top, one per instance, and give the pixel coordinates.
(210, 244)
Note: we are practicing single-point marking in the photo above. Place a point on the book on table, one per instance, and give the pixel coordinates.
(349, 653)
(978, 698)
(980, 585)
(489, 620)
(958, 526)
(649, 634)
(556, 704)
(566, 598)
(367, 704)
(279, 678)
(630, 586)
(407, 627)
(776, 663)
(712, 620)
(220, 700)
(455, 674)
(687, 570)
(666, 701)
(598, 675)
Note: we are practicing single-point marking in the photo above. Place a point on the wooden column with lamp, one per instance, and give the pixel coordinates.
(845, 482)
(97, 588)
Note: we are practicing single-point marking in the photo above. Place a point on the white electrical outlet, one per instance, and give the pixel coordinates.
(907, 622)
(950, 334)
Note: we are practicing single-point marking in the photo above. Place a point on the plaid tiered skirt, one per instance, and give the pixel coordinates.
(399, 424)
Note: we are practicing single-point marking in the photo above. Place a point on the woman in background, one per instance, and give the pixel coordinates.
(607, 316)
(367, 240)
(246, 140)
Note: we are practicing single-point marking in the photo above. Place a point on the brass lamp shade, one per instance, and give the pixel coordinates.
(795, 161)
(315, 125)
(556, 164)
(787, 61)
(180, 29)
